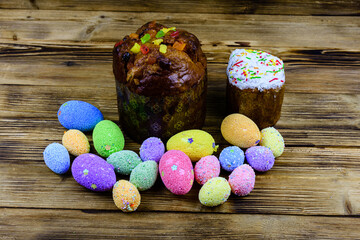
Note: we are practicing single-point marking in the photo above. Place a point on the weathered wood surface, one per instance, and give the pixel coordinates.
(277, 31)
(63, 52)
(278, 7)
(297, 185)
(76, 224)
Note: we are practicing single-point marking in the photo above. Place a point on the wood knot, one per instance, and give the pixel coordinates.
(90, 29)
(70, 63)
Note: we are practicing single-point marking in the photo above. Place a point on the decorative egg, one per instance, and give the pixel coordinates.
(240, 131)
(93, 172)
(214, 192)
(242, 180)
(260, 158)
(76, 142)
(57, 158)
(271, 138)
(79, 115)
(124, 161)
(108, 138)
(126, 196)
(194, 143)
(144, 175)
(206, 168)
(176, 172)
(152, 149)
(231, 157)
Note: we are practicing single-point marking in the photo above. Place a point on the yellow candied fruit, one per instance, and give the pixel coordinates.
(158, 41)
(136, 48)
(165, 30)
(163, 48)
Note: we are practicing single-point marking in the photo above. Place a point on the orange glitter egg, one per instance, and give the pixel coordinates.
(240, 131)
(76, 142)
(126, 196)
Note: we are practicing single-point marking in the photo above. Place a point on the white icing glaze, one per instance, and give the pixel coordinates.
(250, 69)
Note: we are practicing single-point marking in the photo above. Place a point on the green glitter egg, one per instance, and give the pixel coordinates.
(124, 161)
(108, 138)
(144, 175)
(214, 192)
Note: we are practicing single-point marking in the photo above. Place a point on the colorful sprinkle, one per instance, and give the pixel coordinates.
(255, 69)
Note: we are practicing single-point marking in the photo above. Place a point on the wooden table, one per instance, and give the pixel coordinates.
(52, 51)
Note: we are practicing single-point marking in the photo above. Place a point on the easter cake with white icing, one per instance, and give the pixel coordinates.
(256, 85)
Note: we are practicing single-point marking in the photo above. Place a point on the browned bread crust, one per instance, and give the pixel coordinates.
(156, 73)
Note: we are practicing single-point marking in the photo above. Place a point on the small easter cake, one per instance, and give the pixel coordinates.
(255, 86)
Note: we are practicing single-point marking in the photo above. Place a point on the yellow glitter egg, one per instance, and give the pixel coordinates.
(194, 143)
(76, 142)
(214, 192)
(126, 196)
(271, 138)
(240, 131)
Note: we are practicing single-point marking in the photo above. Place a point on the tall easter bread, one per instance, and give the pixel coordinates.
(255, 86)
(161, 81)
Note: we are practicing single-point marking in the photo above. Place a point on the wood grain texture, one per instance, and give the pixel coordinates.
(54, 51)
(74, 224)
(278, 7)
(334, 122)
(297, 184)
(84, 64)
(259, 30)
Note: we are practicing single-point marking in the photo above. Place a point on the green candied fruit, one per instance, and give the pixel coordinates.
(160, 34)
(145, 38)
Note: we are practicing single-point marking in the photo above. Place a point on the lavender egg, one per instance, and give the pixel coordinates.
(260, 158)
(93, 172)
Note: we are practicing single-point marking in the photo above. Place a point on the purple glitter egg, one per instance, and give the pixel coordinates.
(152, 149)
(260, 158)
(93, 172)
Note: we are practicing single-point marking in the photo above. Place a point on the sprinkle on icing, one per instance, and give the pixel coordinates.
(255, 69)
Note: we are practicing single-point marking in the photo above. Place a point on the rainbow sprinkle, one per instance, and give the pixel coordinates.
(249, 68)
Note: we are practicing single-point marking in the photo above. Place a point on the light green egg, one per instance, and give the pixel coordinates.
(144, 175)
(194, 143)
(108, 138)
(214, 192)
(271, 138)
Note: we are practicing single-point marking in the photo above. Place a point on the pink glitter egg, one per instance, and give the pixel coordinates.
(242, 180)
(176, 172)
(208, 167)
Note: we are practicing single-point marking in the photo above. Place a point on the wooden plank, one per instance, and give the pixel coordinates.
(316, 70)
(279, 7)
(303, 181)
(71, 224)
(261, 30)
(332, 122)
(74, 224)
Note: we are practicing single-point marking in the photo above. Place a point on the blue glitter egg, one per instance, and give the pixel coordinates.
(231, 157)
(79, 115)
(57, 158)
